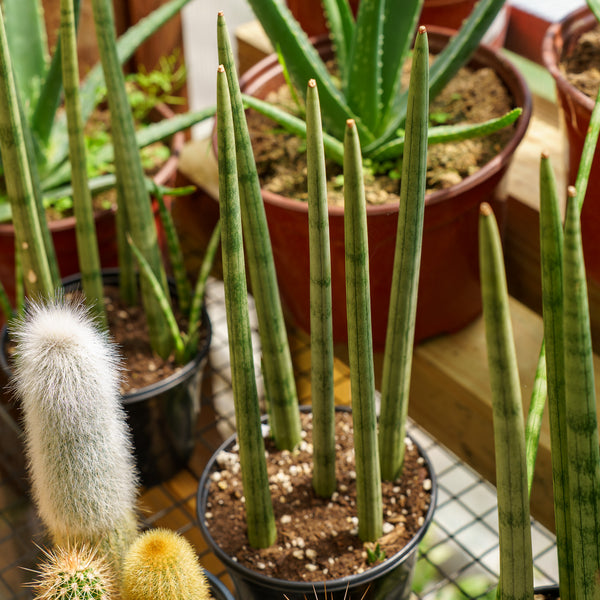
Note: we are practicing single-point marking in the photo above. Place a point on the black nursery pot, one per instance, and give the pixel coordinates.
(218, 591)
(162, 416)
(549, 592)
(389, 580)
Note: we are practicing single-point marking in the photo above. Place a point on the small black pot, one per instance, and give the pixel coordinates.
(549, 592)
(218, 590)
(389, 580)
(162, 417)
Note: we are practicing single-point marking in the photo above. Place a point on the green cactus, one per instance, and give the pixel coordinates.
(162, 565)
(73, 573)
(77, 441)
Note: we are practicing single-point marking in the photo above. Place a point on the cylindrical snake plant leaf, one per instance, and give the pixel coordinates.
(321, 328)
(259, 509)
(134, 197)
(277, 361)
(19, 182)
(85, 228)
(551, 251)
(397, 360)
(582, 426)
(360, 344)
(516, 563)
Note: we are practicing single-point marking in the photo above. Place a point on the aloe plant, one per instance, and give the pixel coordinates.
(370, 53)
(236, 167)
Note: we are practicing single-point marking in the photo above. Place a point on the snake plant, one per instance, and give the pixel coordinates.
(370, 53)
(571, 399)
(21, 147)
(236, 168)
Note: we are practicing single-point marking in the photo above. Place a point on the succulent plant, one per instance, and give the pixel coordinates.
(73, 573)
(162, 565)
(77, 441)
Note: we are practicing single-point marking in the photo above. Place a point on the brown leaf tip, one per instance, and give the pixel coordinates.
(312, 83)
(422, 29)
(545, 154)
(485, 209)
(220, 14)
(350, 122)
(571, 191)
(220, 69)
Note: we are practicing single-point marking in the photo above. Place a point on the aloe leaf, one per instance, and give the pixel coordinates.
(360, 346)
(182, 283)
(516, 562)
(127, 44)
(304, 63)
(449, 60)
(19, 184)
(134, 198)
(397, 360)
(279, 371)
(401, 19)
(85, 229)
(156, 289)
(362, 87)
(594, 6)
(260, 518)
(340, 21)
(200, 289)
(26, 35)
(447, 133)
(582, 426)
(321, 327)
(154, 132)
(334, 149)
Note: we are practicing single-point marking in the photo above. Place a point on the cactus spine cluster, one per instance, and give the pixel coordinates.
(162, 565)
(74, 573)
(77, 440)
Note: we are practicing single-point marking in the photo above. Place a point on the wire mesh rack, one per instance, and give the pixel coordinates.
(458, 557)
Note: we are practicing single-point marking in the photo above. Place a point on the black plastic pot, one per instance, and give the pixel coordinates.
(549, 592)
(218, 590)
(389, 580)
(162, 416)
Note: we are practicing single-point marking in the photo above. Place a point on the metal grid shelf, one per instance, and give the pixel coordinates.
(459, 556)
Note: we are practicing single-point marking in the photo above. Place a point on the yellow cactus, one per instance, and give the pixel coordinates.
(162, 565)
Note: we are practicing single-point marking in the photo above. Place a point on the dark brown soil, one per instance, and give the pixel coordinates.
(582, 65)
(472, 96)
(317, 538)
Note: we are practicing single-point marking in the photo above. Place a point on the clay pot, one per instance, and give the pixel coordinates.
(576, 111)
(449, 293)
(63, 230)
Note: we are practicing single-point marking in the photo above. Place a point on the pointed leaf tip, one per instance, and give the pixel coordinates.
(571, 191)
(220, 14)
(312, 83)
(220, 69)
(485, 209)
(545, 154)
(350, 123)
(422, 29)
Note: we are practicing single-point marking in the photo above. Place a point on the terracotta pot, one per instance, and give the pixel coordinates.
(310, 15)
(576, 111)
(449, 294)
(63, 230)
(389, 580)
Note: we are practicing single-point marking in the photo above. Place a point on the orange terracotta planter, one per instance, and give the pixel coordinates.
(576, 112)
(449, 293)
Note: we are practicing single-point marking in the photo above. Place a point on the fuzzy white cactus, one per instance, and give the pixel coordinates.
(78, 443)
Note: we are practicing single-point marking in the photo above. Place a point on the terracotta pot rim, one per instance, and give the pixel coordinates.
(580, 20)
(161, 177)
(484, 54)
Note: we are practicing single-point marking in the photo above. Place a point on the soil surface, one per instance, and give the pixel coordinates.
(472, 96)
(581, 66)
(317, 538)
